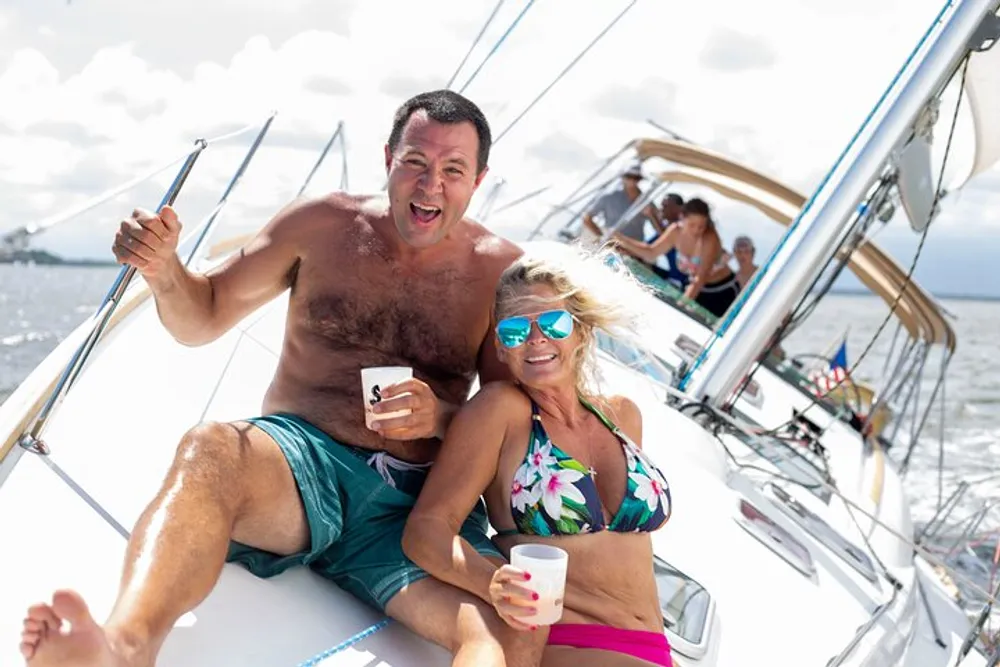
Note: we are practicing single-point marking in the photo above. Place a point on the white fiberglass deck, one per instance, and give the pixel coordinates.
(117, 448)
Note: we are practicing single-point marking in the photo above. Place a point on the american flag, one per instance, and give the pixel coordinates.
(827, 379)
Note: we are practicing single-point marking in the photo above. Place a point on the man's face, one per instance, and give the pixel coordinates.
(432, 177)
(672, 211)
(631, 183)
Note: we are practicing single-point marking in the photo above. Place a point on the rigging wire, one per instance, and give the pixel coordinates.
(721, 420)
(804, 309)
(551, 85)
(475, 42)
(906, 281)
(855, 240)
(34, 228)
(337, 134)
(343, 161)
(820, 396)
(565, 71)
(488, 56)
(523, 199)
(499, 42)
(724, 420)
(576, 191)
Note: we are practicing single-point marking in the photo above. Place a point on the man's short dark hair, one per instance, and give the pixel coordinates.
(445, 106)
(675, 198)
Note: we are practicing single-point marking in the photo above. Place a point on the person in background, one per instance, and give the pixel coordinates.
(743, 251)
(558, 463)
(712, 284)
(612, 205)
(671, 210)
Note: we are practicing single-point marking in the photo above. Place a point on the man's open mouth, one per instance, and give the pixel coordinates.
(424, 214)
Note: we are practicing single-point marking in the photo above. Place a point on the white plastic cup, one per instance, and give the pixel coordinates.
(373, 380)
(547, 567)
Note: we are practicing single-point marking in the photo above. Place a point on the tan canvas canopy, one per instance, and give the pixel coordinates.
(700, 166)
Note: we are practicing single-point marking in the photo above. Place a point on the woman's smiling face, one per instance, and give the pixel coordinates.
(541, 360)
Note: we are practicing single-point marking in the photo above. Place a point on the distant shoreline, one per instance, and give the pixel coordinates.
(939, 297)
(72, 263)
(42, 258)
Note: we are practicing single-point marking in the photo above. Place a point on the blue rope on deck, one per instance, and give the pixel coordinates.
(346, 644)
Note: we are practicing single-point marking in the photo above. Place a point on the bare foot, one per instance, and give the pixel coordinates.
(46, 643)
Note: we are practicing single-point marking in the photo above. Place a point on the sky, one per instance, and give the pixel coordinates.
(96, 92)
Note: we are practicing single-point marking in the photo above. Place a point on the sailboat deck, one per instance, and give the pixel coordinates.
(115, 435)
(117, 449)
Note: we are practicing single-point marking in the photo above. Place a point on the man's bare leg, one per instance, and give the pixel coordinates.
(465, 625)
(226, 480)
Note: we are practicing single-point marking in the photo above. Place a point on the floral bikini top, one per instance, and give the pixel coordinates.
(554, 494)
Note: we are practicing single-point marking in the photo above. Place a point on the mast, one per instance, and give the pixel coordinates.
(812, 239)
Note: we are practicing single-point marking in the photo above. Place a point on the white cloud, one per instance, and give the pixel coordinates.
(647, 99)
(110, 96)
(729, 50)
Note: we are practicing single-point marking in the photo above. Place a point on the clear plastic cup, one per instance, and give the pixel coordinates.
(372, 382)
(547, 566)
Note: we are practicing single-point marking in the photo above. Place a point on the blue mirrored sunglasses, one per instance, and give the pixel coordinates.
(554, 324)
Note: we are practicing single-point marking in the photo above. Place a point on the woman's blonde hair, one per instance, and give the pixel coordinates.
(598, 290)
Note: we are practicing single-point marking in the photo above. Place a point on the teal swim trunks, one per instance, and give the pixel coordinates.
(356, 502)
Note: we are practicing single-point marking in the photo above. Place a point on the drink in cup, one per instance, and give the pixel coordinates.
(547, 566)
(373, 380)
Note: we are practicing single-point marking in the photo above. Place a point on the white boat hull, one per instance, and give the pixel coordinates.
(115, 436)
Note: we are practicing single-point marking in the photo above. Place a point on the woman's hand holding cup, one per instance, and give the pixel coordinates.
(513, 601)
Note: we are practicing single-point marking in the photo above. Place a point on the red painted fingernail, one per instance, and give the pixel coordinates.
(534, 596)
(527, 576)
(534, 627)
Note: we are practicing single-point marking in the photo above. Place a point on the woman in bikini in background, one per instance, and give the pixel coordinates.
(712, 283)
(557, 463)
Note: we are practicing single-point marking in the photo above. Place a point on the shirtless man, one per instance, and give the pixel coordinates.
(374, 282)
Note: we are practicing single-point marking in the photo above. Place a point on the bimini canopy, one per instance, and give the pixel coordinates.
(696, 165)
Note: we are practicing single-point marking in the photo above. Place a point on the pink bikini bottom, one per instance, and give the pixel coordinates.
(650, 646)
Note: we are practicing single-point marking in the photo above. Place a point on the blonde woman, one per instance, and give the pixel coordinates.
(558, 463)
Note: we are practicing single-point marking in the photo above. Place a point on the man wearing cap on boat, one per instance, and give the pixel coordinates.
(324, 477)
(611, 206)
